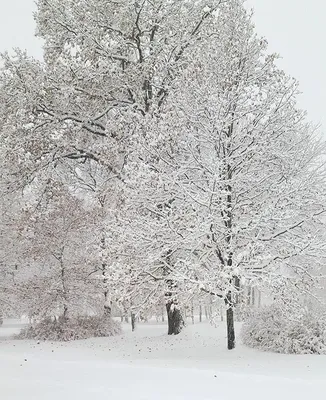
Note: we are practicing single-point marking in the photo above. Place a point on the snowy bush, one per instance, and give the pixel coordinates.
(62, 329)
(276, 329)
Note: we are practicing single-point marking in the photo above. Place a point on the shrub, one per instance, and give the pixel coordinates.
(66, 329)
(277, 329)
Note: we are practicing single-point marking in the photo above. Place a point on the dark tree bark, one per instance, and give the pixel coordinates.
(253, 296)
(249, 296)
(65, 311)
(175, 319)
(63, 283)
(230, 321)
(133, 321)
(237, 287)
(200, 313)
(107, 310)
(107, 302)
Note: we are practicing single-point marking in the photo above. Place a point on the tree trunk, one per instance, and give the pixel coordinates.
(192, 313)
(133, 322)
(63, 283)
(107, 307)
(230, 321)
(200, 313)
(65, 311)
(259, 298)
(253, 295)
(210, 308)
(206, 312)
(104, 268)
(249, 296)
(175, 320)
(237, 287)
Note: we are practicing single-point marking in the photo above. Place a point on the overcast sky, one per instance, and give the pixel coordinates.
(295, 29)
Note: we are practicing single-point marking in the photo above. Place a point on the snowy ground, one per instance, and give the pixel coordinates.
(148, 365)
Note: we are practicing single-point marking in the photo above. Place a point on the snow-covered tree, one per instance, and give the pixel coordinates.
(107, 66)
(12, 249)
(230, 187)
(54, 276)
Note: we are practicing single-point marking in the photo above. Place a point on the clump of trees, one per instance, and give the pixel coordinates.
(181, 162)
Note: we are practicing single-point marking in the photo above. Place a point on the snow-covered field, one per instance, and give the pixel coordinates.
(147, 364)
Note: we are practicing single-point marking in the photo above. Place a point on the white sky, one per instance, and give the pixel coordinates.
(295, 29)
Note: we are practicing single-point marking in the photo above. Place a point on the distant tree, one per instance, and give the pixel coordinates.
(54, 278)
(12, 249)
